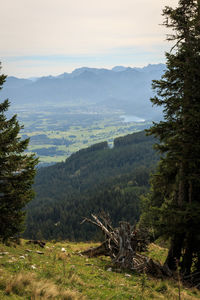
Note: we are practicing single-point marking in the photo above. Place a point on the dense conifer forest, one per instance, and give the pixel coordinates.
(91, 180)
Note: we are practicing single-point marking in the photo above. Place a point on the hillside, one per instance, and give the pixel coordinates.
(58, 273)
(93, 179)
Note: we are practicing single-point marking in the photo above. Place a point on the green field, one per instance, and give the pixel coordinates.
(57, 132)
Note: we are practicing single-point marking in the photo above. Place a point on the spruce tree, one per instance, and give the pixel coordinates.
(17, 170)
(174, 204)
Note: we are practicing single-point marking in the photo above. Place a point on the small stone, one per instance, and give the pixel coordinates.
(127, 275)
(39, 252)
(33, 267)
(22, 257)
(63, 250)
(109, 270)
(13, 259)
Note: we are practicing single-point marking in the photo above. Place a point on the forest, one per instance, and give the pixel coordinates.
(98, 178)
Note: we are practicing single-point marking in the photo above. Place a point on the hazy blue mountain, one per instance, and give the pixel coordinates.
(125, 88)
(119, 69)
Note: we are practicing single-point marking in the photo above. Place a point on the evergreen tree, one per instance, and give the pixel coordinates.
(17, 171)
(174, 204)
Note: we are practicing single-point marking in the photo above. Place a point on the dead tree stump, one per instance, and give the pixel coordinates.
(124, 246)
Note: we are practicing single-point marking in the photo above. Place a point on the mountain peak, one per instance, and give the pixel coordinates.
(119, 69)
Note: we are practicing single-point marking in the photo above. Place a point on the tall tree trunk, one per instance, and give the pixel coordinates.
(181, 188)
(174, 253)
(187, 257)
(197, 264)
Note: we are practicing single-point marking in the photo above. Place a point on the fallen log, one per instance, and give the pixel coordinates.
(36, 242)
(96, 251)
(124, 245)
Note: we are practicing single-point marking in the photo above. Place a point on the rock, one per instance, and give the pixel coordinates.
(13, 259)
(22, 257)
(63, 250)
(39, 252)
(127, 275)
(33, 267)
(109, 269)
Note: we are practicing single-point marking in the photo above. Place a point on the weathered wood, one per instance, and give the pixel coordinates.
(36, 242)
(96, 251)
(123, 245)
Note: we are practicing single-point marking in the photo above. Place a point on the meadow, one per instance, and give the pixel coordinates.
(60, 271)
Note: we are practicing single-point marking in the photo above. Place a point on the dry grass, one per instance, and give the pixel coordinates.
(47, 290)
(18, 283)
(75, 279)
(25, 284)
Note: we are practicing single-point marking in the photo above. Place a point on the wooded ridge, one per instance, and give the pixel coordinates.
(93, 179)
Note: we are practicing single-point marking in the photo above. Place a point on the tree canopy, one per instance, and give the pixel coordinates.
(174, 202)
(89, 181)
(17, 170)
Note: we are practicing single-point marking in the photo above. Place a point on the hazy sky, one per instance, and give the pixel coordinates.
(42, 37)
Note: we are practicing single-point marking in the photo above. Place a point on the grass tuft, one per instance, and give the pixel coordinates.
(18, 283)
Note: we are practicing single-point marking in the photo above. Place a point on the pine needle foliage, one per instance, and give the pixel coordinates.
(17, 170)
(173, 205)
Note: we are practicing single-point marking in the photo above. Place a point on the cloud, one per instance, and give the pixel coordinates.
(77, 27)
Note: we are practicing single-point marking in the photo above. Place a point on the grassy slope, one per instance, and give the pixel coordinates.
(59, 275)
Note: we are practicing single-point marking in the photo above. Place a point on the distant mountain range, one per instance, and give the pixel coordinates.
(127, 89)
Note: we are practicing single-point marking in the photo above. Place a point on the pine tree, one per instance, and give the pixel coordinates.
(174, 204)
(17, 171)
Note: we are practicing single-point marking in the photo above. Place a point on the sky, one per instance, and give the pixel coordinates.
(43, 37)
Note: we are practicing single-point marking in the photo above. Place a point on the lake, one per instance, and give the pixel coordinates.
(130, 118)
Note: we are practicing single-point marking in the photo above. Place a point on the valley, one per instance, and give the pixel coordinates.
(63, 114)
(56, 132)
